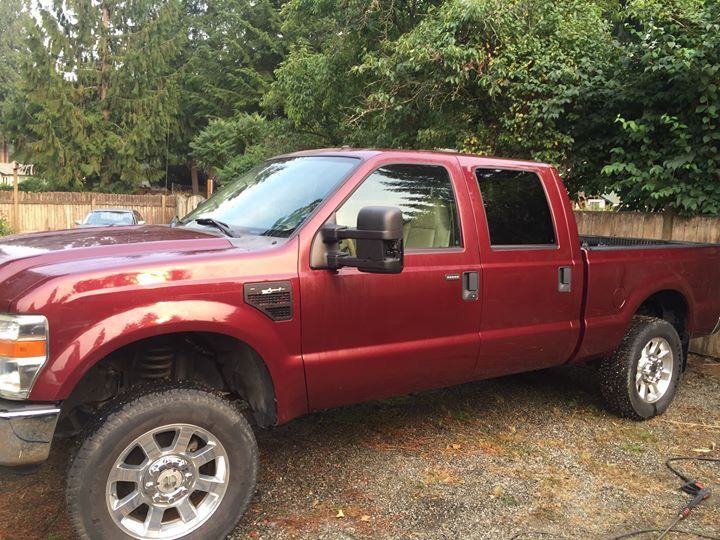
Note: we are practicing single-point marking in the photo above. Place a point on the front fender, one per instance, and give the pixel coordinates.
(277, 343)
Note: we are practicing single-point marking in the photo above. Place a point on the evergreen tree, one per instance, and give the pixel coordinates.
(14, 18)
(100, 92)
(233, 49)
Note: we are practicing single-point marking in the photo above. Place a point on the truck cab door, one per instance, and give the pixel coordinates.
(532, 273)
(368, 335)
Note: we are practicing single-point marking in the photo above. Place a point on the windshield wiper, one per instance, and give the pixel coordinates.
(224, 227)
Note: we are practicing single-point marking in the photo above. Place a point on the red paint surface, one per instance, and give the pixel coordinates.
(354, 336)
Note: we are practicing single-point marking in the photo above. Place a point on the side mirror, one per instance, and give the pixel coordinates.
(78, 222)
(379, 237)
(141, 222)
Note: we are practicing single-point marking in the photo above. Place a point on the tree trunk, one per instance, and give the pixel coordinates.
(104, 62)
(104, 108)
(194, 177)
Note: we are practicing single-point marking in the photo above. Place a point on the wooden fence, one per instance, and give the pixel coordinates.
(660, 227)
(29, 212)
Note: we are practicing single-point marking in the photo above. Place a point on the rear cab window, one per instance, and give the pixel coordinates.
(517, 210)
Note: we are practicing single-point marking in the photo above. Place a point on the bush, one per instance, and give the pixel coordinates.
(4, 227)
(33, 184)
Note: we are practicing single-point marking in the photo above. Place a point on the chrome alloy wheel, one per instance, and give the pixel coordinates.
(167, 482)
(654, 370)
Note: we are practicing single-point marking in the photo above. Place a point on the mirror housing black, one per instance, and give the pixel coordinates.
(379, 238)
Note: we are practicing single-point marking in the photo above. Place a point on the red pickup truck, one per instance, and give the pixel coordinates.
(314, 280)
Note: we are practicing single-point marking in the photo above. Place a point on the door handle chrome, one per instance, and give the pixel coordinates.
(564, 279)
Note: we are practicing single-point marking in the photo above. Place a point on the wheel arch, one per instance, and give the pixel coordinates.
(238, 368)
(672, 306)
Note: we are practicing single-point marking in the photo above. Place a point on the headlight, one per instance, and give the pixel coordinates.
(23, 352)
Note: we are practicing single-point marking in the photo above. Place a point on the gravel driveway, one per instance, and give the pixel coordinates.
(523, 454)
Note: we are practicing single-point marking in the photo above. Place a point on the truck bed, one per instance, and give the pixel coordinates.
(594, 242)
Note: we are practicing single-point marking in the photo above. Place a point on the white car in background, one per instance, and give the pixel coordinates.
(111, 217)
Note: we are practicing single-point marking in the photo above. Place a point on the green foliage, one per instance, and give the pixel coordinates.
(230, 147)
(5, 228)
(619, 95)
(98, 99)
(14, 19)
(668, 155)
(506, 77)
(33, 184)
(228, 63)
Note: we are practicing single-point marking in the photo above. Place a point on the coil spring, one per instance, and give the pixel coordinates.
(157, 363)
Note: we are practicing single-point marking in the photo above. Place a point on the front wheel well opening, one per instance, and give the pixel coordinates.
(217, 361)
(671, 306)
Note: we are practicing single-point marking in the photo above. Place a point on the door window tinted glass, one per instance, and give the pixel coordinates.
(516, 207)
(424, 194)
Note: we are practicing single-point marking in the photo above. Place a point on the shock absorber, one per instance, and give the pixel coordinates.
(156, 363)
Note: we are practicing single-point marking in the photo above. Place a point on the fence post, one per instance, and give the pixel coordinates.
(16, 199)
(163, 214)
(668, 224)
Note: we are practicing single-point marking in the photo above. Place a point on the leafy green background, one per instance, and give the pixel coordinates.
(619, 95)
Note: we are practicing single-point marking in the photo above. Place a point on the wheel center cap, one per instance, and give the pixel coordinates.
(169, 478)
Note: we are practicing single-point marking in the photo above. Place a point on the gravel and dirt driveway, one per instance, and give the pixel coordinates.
(492, 459)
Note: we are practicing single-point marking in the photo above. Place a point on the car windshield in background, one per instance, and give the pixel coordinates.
(108, 218)
(276, 197)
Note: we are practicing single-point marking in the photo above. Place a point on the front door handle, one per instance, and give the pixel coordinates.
(470, 286)
(564, 279)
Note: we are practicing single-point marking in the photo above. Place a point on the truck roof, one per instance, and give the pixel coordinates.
(367, 153)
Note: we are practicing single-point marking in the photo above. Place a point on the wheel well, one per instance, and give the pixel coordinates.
(671, 306)
(218, 361)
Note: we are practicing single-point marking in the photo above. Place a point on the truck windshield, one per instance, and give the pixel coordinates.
(275, 197)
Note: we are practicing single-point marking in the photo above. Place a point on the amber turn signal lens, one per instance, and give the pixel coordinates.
(22, 349)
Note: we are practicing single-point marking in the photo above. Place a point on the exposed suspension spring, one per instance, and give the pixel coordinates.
(157, 363)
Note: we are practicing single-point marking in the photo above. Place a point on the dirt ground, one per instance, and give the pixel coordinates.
(530, 456)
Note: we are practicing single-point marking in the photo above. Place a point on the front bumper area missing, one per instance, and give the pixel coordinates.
(26, 432)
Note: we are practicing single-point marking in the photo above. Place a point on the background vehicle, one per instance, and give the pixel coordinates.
(111, 217)
(407, 270)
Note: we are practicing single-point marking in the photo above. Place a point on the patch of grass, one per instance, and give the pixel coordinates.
(633, 447)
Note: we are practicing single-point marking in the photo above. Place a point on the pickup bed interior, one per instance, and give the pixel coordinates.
(610, 242)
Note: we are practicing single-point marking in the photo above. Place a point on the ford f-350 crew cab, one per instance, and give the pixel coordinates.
(314, 280)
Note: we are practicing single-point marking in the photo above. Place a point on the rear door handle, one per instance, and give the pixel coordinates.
(564, 279)
(470, 286)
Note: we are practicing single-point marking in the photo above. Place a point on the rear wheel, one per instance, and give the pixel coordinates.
(169, 463)
(640, 379)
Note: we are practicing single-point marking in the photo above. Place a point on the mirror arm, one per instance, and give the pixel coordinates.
(334, 233)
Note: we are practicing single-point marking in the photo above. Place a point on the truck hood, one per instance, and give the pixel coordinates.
(87, 247)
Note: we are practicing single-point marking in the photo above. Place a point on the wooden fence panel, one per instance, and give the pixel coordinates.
(656, 226)
(54, 211)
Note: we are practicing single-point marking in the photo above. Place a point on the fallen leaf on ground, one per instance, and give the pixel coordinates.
(340, 514)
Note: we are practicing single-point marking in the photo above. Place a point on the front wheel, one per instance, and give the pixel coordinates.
(165, 464)
(640, 379)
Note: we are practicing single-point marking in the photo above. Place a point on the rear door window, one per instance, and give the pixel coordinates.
(516, 208)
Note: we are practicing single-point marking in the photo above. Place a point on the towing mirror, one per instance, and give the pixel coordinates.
(379, 240)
